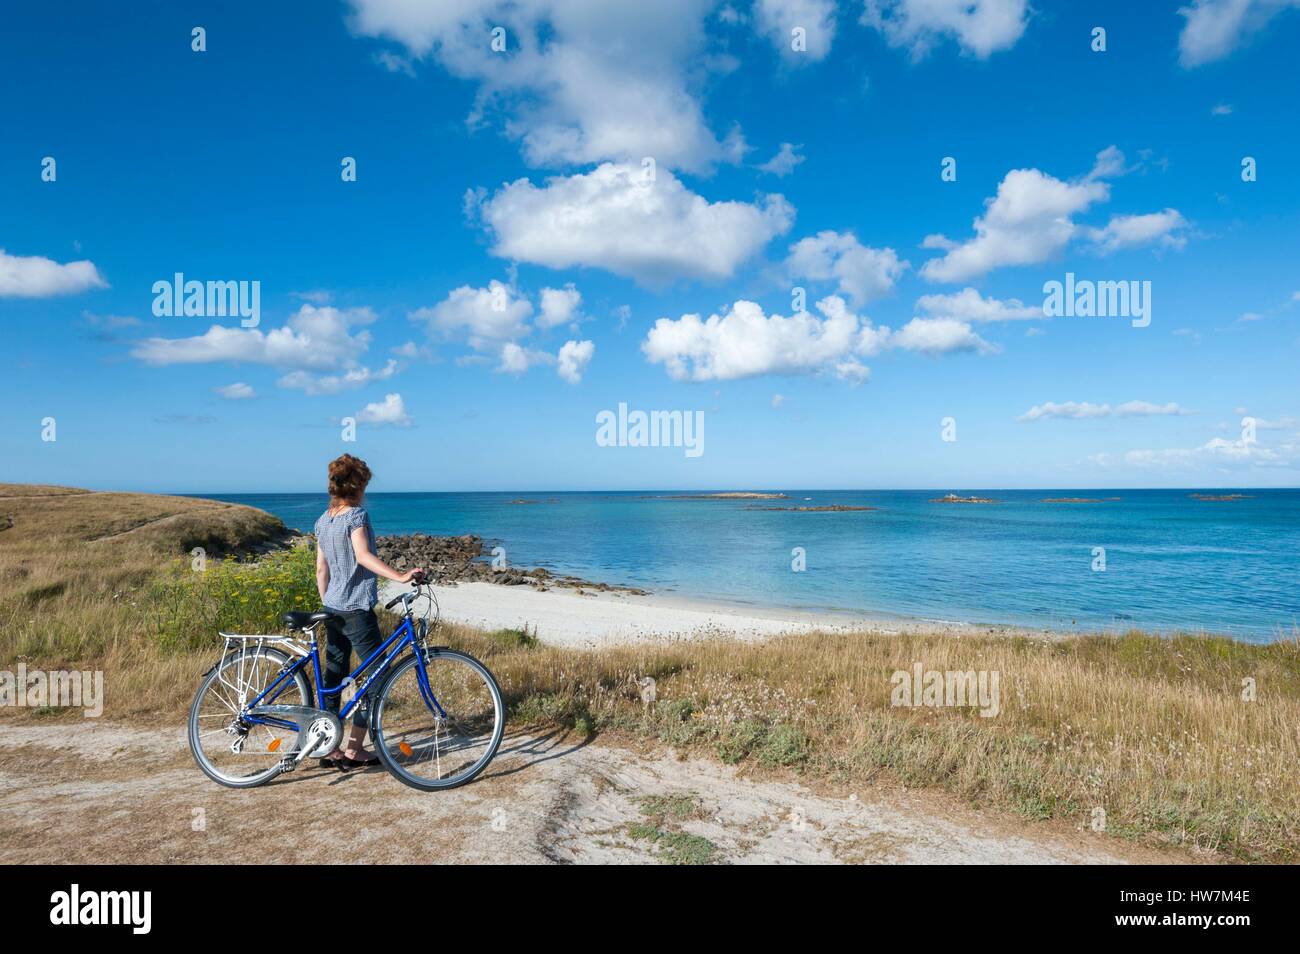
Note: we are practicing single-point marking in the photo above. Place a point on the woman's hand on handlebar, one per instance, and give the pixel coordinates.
(416, 576)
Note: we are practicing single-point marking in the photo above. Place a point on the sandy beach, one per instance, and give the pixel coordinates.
(587, 618)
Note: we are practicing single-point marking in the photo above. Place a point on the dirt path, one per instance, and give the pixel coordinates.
(155, 520)
(114, 793)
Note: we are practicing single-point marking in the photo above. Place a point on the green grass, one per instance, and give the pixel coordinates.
(508, 639)
(677, 847)
(662, 828)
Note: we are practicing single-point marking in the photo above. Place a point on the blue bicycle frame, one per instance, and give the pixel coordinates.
(403, 636)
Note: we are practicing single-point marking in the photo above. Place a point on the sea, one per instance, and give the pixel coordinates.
(1159, 560)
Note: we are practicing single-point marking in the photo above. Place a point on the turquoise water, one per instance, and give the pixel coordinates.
(1172, 562)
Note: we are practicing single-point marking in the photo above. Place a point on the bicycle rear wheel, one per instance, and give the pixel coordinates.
(444, 741)
(235, 754)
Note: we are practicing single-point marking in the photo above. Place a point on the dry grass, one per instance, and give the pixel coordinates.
(74, 566)
(1154, 732)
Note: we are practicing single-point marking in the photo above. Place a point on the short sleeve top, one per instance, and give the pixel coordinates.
(351, 586)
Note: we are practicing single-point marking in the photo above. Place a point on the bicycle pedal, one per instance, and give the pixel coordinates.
(288, 764)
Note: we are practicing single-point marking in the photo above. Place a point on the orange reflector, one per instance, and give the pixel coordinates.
(275, 744)
(406, 749)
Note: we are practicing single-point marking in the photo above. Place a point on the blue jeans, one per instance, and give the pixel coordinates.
(348, 630)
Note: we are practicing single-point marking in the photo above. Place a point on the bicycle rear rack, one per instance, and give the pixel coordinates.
(236, 642)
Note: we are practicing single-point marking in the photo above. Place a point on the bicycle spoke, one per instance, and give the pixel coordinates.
(251, 750)
(442, 745)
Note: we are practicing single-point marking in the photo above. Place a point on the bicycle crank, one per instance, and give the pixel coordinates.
(319, 731)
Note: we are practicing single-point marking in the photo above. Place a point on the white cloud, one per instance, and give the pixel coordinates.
(861, 272)
(1108, 165)
(853, 371)
(969, 305)
(613, 218)
(1221, 109)
(516, 359)
(336, 383)
(1216, 452)
(394, 63)
(1031, 219)
(486, 316)
(778, 400)
(743, 342)
(1280, 424)
(495, 322)
(778, 18)
(390, 411)
(1082, 410)
(981, 27)
(1126, 231)
(936, 336)
(1028, 221)
(785, 160)
(236, 392)
(573, 359)
(313, 338)
(1214, 28)
(30, 276)
(580, 81)
(410, 349)
(559, 306)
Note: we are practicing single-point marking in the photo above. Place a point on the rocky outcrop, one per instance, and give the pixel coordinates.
(831, 508)
(462, 559)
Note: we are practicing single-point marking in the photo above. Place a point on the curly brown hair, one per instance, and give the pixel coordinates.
(348, 478)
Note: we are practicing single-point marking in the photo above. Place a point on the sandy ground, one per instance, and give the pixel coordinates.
(585, 618)
(94, 792)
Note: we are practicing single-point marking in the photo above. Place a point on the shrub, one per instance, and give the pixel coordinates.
(188, 608)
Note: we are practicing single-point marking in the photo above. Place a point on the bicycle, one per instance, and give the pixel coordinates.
(437, 719)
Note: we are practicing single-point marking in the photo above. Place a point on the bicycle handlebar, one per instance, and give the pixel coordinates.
(419, 579)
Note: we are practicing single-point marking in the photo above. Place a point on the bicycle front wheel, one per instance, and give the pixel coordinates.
(442, 731)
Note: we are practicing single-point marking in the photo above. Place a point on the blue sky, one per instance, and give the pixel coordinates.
(525, 168)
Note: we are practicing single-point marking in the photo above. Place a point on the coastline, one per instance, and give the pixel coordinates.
(588, 618)
(575, 612)
(1172, 565)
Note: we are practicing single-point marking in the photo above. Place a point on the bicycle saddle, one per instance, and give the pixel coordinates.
(305, 620)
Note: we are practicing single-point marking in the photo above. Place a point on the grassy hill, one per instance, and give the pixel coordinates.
(75, 566)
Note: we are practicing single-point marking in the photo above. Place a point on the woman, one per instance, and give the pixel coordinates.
(346, 570)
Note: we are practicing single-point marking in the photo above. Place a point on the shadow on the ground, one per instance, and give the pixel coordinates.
(523, 748)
